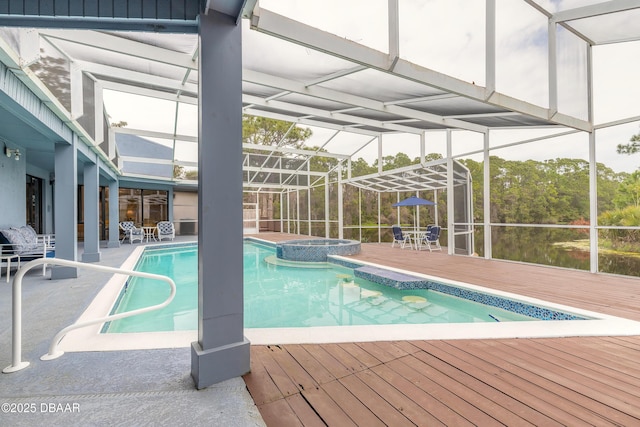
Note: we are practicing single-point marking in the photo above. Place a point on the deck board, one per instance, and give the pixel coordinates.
(328, 410)
(560, 395)
(357, 410)
(303, 412)
(472, 380)
(521, 385)
(411, 407)
(534, 381)
(382, 409)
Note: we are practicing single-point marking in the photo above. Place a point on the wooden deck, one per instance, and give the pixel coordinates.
(551, 381)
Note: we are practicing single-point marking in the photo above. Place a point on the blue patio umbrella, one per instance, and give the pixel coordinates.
(413, 201)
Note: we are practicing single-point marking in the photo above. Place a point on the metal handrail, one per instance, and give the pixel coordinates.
(17, 363)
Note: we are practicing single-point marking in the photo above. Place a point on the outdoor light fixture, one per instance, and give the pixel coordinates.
(15, 153)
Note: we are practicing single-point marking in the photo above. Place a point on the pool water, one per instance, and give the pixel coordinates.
(281, 296)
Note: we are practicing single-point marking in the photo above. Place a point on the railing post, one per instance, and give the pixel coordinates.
(16, 336)
(16, 342)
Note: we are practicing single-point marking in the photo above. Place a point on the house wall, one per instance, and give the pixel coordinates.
(185, 212)
(13, 210)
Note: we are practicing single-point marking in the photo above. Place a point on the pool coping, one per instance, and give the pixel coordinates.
(596, 324)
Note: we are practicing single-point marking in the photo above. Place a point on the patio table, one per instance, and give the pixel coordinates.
(149, 232)
(416, 237)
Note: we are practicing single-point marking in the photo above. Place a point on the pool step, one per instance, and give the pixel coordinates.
(390, 278)
(274, 260)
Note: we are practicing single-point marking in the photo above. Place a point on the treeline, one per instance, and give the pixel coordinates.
(529, 192)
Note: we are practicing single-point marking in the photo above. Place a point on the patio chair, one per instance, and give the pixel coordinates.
(131, 232)
(166, 230)
(400, 238)
(432, 237)
(22, 244)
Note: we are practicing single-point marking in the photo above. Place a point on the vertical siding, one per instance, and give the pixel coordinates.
(133, 9)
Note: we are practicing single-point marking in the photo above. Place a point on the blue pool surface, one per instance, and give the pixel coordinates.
(284, 296)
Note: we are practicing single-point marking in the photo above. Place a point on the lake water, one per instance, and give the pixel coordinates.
(536, 245)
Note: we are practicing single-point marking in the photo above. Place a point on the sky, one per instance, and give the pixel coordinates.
(429, 39)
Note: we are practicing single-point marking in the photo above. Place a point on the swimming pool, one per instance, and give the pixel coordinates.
(91, 338)
(298, 295)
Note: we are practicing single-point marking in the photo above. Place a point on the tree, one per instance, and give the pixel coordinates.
(360, 167)
(120, 124)
(394, 162)
(632, 147)
(265, 131)
(178, 172)
(628, 193)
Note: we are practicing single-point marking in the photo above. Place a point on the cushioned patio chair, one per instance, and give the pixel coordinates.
(400, 238)
(166, 230)
(22, 244)
(432, 237)
(131, 232)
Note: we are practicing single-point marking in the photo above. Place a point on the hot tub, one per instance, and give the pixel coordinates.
(315, 250)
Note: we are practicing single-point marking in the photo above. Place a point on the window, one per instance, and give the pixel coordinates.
(143, 207)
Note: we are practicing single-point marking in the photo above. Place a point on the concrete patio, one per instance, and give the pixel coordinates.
(145, 387)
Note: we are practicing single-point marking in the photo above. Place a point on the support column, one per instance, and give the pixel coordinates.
(593, 172)
(593, 204)
(490, 43)
(451, 238)
(379, 223)
(340, 203)
(170, 196)
(222, 351)
(486, 196)
(66, 208)
(298, 212)
(114, 215)
(553, 69)
(91, 215)
(327, 217)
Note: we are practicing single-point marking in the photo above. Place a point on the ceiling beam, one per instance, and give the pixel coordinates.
(154, 134)
(282, 105)
(307, 122)
(151, 93)
(354, 100)
(298, 33)
(112, 43)
(298, 151)
(597, 9)
(136, 77)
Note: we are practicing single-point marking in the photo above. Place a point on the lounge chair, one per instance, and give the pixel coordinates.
(165, 230)
(400, 238)
(131, 232)
(432, 237)
(22, 244)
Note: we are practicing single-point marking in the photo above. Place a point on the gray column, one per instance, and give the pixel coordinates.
(170, 205)
(451, 238)
(91, 216)
(114, 215)
(66, 208)
(222, 351)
